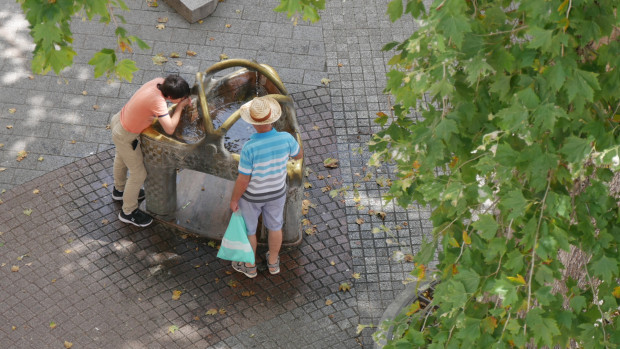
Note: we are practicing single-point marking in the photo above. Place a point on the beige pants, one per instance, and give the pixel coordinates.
(126, 158)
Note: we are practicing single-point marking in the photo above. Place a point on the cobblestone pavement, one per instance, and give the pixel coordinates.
(104, 284)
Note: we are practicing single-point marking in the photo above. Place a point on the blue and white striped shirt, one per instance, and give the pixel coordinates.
(264, 158)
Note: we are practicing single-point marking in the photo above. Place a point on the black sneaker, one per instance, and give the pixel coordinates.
(136, 217)
(118, 195)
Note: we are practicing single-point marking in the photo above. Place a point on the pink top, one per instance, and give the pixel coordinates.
(146, 104)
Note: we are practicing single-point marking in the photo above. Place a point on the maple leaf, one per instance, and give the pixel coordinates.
(325, 81)
(12, 110)
(307, 185)
(344, 287)
(223, 57)
(15, 268)
(356, 276)
(36, 191)
(190, 53)
(330, 163)
(211, 311)
(159, 59)
(40, 158)
(305, 222)
(176, 294)
(27, 211)
(227, 25)
(68, 345)
(105, 221)
(178, 63)
(359, 221)
(310, 231)
(329, 302)
(173, 328)
(222, 311)
(174, 55)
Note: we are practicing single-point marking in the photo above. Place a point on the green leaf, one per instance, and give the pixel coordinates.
(455, 27)
(506, 291)
(512, 118)
(605, 268)
(46, 34)
(575, 149)
(513, 202)
(415, 8)
(582, 83)
(125, 69)
(487, 226)
(103, 62)
(395, 9)
(469, 278)
(577, 303)
(541, 38)
(445, 128)
(141, 44)
(544, 328)
(501, 85)
(61, 58)
(476, 68)
(555, 76)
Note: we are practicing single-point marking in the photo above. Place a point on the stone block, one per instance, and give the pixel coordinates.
(193, 10)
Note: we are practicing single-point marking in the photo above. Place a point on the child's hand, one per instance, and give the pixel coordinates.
(185, 102)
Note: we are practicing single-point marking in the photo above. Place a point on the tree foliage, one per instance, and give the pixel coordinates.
(50, 29)
(515, 146)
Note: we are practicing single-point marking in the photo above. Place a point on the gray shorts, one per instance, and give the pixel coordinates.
(273, 214)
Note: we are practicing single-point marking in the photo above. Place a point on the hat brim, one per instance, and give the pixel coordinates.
(276, 112)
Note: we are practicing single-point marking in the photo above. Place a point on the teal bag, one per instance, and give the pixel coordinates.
(235, 244)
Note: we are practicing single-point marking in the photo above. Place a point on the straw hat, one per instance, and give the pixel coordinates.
(261, 111)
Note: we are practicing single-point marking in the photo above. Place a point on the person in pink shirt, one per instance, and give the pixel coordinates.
(147, 104)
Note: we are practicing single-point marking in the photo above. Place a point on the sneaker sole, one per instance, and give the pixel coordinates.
(120, 198)
(134, 223)
(251, 276)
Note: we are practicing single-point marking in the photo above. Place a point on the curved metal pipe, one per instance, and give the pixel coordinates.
(264, 69)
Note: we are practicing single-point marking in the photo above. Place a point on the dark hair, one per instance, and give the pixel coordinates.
(174, 87)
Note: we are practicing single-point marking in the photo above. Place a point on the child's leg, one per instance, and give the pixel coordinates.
(254, 243)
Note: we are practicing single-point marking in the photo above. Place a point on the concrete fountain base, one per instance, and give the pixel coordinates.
(193, 10)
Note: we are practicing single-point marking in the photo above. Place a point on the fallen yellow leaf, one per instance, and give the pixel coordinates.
(344, 287)
(329, 302)
(356, 276)
(222, 311)
(36, 191)
(162, 19)
(211, 311)
(176, 294)
(160, 26)
(174, 55)
(9, 127)
(15, 268)
(190, 53)
(12, 110)
(52, 325)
